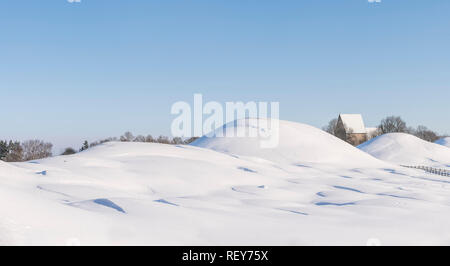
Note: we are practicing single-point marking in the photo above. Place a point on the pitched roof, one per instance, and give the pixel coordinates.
(354, 122)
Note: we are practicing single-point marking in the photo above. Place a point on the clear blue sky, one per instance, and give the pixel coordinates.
(75, 71)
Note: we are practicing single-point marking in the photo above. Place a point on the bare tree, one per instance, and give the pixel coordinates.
(163, 140)
(177, 141)
(331, 127)
(127, 137)
(36, 149)
(15, 152)
(341, 131)
(392, 124)
(99, 142)
(149, 138)
(139, 138)
(424, 133)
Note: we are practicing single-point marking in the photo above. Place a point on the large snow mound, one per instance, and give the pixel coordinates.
(406, 149)
(298, 144)
(444, 141)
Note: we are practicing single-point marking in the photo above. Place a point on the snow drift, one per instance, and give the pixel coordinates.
(298, 144)
(444, 142)
(406, 149)
(311, 190)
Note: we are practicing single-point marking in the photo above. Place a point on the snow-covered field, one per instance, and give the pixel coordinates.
(313, 189)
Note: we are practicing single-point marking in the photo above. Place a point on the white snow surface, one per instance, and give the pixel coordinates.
(444, 141)
(406, 149)
(311, 190)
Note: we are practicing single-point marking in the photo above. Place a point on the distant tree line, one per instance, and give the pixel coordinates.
(395, 124)
(390, 124)
(129, 137)
(15, 151)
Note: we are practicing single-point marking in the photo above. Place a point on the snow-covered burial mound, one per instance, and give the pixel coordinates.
(406, 149)
(298, 144)
(444, 141)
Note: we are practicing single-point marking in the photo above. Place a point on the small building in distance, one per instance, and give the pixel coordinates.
(350, 127)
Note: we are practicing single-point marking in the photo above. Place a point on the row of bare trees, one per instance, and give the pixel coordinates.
(129, 137)
(15, 151)
(395, 124)
(390, 124)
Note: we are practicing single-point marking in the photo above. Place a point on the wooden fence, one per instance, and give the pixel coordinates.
(431, 170)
